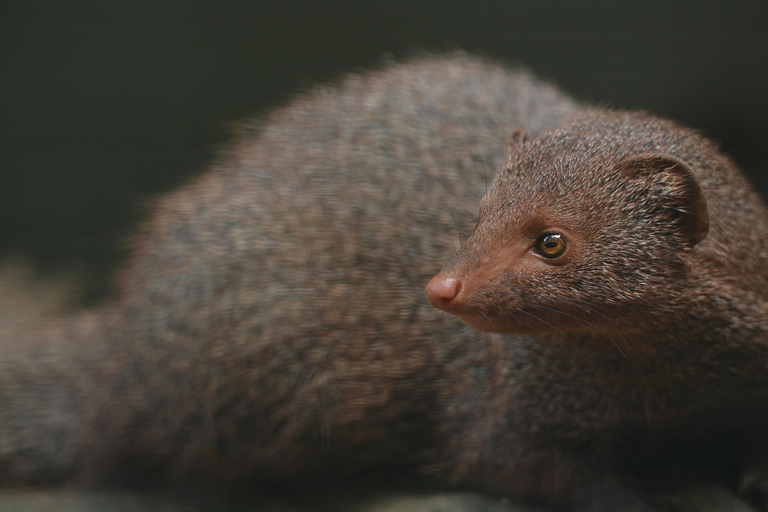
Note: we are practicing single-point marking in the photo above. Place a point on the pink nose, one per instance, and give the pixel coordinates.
(443, 292)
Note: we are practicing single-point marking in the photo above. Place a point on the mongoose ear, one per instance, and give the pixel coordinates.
(679, 184)
(516, 139)
(518, 135)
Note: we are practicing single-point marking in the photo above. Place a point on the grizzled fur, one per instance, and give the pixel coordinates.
(654, 319)
(271, 320)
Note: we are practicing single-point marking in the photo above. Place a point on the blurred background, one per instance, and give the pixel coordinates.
(103, 105)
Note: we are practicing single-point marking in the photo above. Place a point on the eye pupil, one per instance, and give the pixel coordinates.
(551, 246)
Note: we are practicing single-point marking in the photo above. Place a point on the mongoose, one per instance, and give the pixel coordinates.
(630, 259)
(271, 321)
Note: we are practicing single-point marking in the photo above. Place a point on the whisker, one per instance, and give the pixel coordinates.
(617, 346)
(563, 313)
(592, 308)
(577, 304)
(548, 324)
(458, 230)
(453, 241)
(479, 159)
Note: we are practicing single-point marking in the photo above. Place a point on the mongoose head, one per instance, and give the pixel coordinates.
(586, 228)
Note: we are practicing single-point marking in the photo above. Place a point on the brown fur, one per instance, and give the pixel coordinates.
(271, 320)
(271, 324)
(654, 318)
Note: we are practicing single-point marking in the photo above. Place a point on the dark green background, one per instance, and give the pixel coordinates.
(104, 104)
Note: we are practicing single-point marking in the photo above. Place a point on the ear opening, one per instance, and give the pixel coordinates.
(681, 186)
(516, 139)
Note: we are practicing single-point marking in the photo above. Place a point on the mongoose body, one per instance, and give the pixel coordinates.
(271, 320)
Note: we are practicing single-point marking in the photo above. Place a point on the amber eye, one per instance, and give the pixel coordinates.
(550, 246)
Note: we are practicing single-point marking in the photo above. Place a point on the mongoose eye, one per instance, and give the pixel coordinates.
(550, 246)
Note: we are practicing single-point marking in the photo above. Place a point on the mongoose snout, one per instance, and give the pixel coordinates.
(445, 293)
